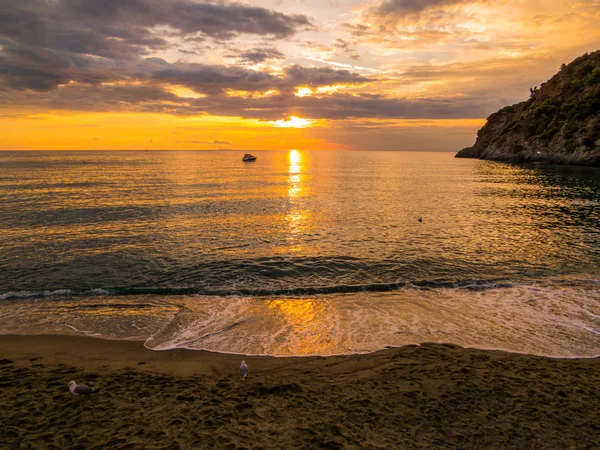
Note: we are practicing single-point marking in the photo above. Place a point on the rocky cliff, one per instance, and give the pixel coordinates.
(560, 123)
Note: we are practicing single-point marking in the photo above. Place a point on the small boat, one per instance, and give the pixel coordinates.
(248, 157)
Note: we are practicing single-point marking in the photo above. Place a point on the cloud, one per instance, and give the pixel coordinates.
(258, 55)
(214, 79)
(117, 28)
(39, 69)
(48, 44)
(68, 81)
(344, 106)
(334, 106)
(412, 24)
(84, 82)
(297, 75)
(409, 7)
(84, 55)
(44, 44)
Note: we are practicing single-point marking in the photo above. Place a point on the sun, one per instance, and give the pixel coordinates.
(293, 122)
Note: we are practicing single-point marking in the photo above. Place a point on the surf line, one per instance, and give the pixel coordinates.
(213, 333)
(87, 333)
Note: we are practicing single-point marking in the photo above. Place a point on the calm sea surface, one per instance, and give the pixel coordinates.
(300, 252)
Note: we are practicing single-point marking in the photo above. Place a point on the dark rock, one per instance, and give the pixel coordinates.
(468, 152)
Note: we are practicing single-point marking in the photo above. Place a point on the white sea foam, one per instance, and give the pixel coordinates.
(557, 321)
(560, 319)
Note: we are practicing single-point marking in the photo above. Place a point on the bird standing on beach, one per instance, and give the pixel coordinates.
(244, 370)
(80, 389)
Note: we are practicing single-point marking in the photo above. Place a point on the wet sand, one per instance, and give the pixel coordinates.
(428, 396)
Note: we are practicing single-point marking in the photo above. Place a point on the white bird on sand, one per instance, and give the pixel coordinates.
(80, 389)
(244, 370)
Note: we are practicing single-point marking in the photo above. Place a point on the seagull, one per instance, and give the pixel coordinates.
(80, 389)
(244, 370)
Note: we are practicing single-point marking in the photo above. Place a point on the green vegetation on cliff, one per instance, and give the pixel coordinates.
(560, 123)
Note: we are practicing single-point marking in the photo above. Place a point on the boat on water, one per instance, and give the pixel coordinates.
(248, 157)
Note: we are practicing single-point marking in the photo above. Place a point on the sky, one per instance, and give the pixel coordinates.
(406, 75)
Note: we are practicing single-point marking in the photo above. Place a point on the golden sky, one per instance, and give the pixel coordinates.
(275, 74)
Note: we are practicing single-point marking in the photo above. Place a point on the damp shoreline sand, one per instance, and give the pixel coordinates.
(427, 396)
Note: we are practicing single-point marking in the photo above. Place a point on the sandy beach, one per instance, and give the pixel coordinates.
(428, 396)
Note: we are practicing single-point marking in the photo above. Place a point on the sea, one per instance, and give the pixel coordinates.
(301, 252)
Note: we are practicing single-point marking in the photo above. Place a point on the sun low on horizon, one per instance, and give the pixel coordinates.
(275, 74)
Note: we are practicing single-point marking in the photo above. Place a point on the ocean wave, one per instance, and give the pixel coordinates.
(468, 284)
(558, 318)
(547, 320)
(98, 292)
(34, 294)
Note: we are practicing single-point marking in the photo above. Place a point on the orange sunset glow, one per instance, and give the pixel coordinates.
(423, 74)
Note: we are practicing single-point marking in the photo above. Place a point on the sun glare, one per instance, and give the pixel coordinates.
(294, 161)
(293, 122)
(304, 92)
(307, 92)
